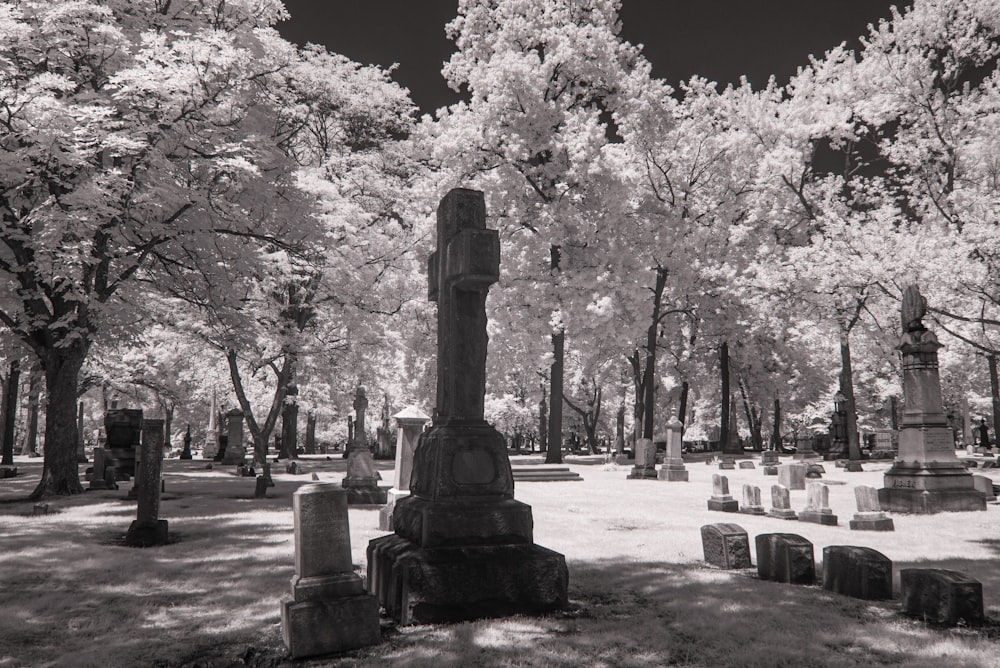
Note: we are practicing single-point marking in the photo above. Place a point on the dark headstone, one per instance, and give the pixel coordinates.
(785, 557)
(941, 596)
(452, 558)
(859, 572)
(770, 470)
(148, 530)
(726, 545)
(123, 427)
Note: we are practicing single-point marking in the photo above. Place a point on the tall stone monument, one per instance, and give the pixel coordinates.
(361, 481)
(235, 452)
(211, 446)
(926, 477)
(463, 546)
(410, 421)
(673, 462)
(148, 529)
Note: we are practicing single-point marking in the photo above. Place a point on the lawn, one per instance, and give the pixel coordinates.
(640, 594)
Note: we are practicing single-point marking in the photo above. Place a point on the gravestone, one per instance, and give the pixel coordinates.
(673, 462)
(984, 485)
(361, 481)
(235, 452)
(645, 460)
(264, 480)
(747, 464)
(409, 425)
(463, 546)
(211, 447)
(926, 476)
(751, 500)
(785, 557)
(804, 448)
(817, 508)
(186, 452)
(123, 427)
(859, 572)
(770, 470)
(781, 505)
(727, 463)
(98, 478)
(815, 471)
(869, 516)
(726, 546)
(770, 458)
(885, 444)
(329, 610)
(148, 529)
(941, 596)
(792, 476)
(721, 500)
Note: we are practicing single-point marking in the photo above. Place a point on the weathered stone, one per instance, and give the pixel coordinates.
(98, 479)
(817, 508)
(781, 506)
(859, 572)
(751, 500)
(770, 470)
(747, 464)
(792, 476)
(361, 481)
(123, 427)
(869, 516)
(462, 546)
(235, 453)
(727, 463)
(770, 458)
(645, 460)
(410, 424)
(726, 545)
(148, 530)
(673, 469)
(328, 610)
(926, 477)
(984, 485)
(721, 500)
(785, 557)
(941, 596)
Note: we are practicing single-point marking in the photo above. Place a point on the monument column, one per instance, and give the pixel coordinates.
(463, 547)
(926, 477)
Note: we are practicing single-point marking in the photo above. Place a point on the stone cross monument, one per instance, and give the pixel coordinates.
(361, 481)
(926, 477)
(463, 547)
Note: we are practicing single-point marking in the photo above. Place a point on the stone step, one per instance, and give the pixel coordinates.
(543, 474)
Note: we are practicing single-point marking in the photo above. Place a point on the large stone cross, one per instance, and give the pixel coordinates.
(460, 273)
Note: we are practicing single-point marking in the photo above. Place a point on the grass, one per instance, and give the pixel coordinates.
(640, 594)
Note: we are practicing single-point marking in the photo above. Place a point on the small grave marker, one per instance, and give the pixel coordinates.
(818, 505)
(941, 596)
(781, 506)
(726, 545)
(721, 500)
(869, 516)
(785, 557)
(859, 572)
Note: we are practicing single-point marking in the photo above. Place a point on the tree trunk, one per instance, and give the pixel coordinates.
(847, 389)
(10, 390)
(30, 444)
(543, 425)
(649, 375)
(724, 374)
(60, 473)
(995, 395)
(261, 433)
(682, 409)
(638, 387)
(553, 455)
(620, 429)
(776, 428)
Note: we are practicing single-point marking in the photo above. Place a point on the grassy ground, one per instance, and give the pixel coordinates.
(640, 594)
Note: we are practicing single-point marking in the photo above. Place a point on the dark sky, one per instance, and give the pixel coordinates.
(718, 39)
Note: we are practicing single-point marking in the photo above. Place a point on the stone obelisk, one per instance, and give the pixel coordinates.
(463, 547)
(926, 477)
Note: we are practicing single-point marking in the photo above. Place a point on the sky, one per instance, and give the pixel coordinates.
(717, 39)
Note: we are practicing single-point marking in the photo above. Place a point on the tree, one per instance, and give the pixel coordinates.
(137, 144)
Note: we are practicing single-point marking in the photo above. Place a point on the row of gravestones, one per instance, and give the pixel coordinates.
(792, 475)
(936, 595)
(869, 516)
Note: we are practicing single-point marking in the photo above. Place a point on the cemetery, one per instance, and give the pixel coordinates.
(585, 369)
